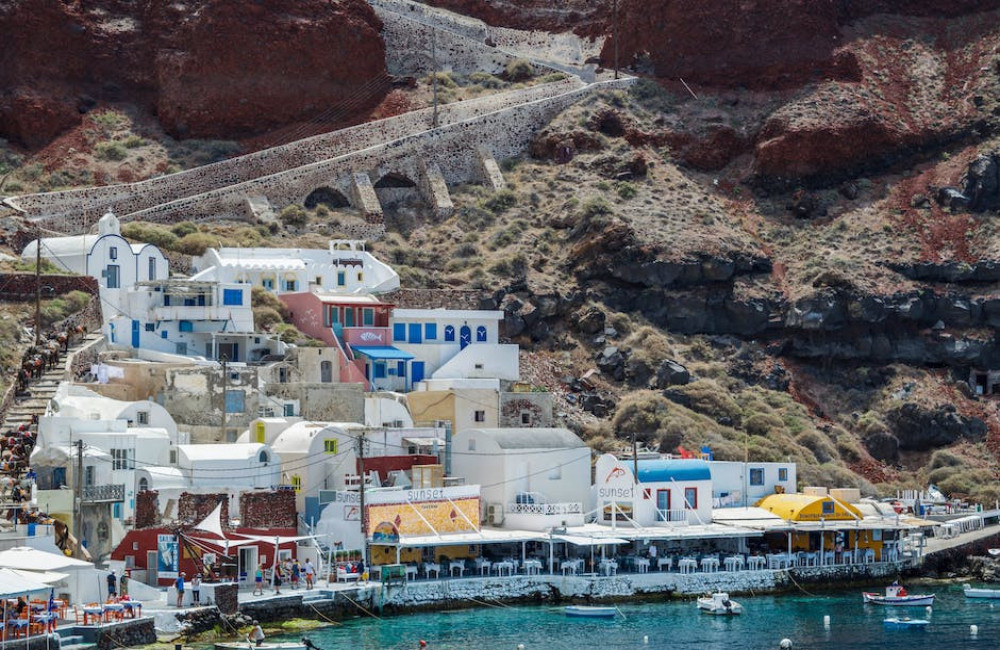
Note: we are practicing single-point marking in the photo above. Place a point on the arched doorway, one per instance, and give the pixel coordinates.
(400, 199)
(325, 372)
(327, 196)
(464, 337)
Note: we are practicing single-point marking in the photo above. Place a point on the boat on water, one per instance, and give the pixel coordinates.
(896, 595)
(719, 604)
(973, 592)
(590, 611)
(250, 645)
(904, 623)
(995, 552)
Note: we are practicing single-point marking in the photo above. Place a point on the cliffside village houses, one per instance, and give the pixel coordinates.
(199, 444)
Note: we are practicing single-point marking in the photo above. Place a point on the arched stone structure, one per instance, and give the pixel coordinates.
(327, 196)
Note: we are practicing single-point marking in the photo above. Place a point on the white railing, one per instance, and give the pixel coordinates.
(672, 515)
(544, 508)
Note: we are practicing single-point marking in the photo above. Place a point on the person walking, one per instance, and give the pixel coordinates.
(112, 585)
(196, 589)
(258, 581)
(179, 585)
(310, 574)
(296, 573)
(276, 579)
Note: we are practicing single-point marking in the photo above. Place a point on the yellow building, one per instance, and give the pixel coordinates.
(808, 507)
(819, 522)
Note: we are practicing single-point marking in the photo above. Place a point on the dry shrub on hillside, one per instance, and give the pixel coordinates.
(196, 243)
(649, 345)
(711, 399)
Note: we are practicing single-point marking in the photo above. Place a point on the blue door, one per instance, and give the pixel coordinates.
(417, 371)
(135, 334)
(464, 337)
(662, 505)
(415, 335)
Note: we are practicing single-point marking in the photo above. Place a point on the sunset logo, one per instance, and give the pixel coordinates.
(617, 472)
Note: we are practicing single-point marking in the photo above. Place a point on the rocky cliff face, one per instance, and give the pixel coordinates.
(209, 68)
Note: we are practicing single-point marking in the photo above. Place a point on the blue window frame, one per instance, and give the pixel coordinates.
(379, 369)
(368, 317)
(481, 334)
(234, 401)
(163, 334)
(399, 331)
(828, 507)
(430, 331)
(113, 275)
(449, 333)
(401, 369)
(186, 326)
(341, 278)
(232, 297)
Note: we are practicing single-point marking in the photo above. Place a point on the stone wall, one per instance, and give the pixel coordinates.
(193, 508)
(21, 286)
(323, 402)
(121, 635)
(436, 298)
(147, 509)
(261, 509)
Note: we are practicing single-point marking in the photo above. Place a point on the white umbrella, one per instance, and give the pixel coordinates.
(32, 559)
(48, 577)
(16, 584)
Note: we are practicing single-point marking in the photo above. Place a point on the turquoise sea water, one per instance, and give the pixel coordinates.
(677, 624)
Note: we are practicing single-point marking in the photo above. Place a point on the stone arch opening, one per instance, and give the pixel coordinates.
(327, 196)
(394, 180)
(401, 201)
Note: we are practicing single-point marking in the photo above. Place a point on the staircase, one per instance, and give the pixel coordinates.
(70, 640)
(41, 390)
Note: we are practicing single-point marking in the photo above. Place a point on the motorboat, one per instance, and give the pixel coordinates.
(591, 611)
(250, 645)
(719, 604)
(906, 622)
(896, 595)
(995, 552)
(971, 592)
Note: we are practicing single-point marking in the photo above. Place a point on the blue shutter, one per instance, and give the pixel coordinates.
(234, 401)
(431, 331)
(232, 297)
(399, 331)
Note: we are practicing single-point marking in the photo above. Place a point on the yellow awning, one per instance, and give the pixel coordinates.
(808, 507)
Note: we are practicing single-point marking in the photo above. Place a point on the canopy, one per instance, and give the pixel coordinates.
(576, 540)
(483, 536)
(382, 352)
(271, 539)
(15, 584)
(213, 522)
(32, 559)
(48, 577)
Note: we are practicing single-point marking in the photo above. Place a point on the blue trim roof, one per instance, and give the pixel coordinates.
(382, 352)
(664, 471)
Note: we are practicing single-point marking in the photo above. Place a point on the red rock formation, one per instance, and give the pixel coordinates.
(581, 16)
(210, 68)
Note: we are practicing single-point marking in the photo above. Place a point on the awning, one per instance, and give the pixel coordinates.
(484, 536)
(382, 352)
(576, 540)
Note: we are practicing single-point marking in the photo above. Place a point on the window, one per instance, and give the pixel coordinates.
(163, 334)
(361, 277)
(291, 285)
(319, 280)
(232, 297)
(691, 498)
(122, 459)
(173, 456)
(113, 252)
(262, 457)
(379, 369)
(430, 331)
(234, 401)
(525, 418)
(757, 476)
(330, 446)
(267, 283)
(480, 416)
(449, 333)
(288, 410)
(828, 507)
(472, 444)
(399, 331)
(152, 268)
(88, 476)
(782, 473)
(142, 417)
(296, 482)
(401, 369)
(325, 372)
(143, 484)
(282, 375)
(367, 317)
(341, 278)
(185, 326)
(334, 315)
(113, 275)
(150, 327)
(481, 334)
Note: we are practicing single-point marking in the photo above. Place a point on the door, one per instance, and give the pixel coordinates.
(135, 334)
(417, 371)
(247, 563)
(415, 333)
(663, 505)
(349, 317)
(464, 336)
(152, 561)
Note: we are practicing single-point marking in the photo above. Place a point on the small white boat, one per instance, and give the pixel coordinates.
(250, 645)
(895, 594)
(906, 622)
(590, 611)
(995, 552)
(971, 592)
(719, 605)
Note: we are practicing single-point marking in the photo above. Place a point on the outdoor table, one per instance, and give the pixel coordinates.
(432, 567)
(869, 555)
(809, 559)
(687, 565)
(133, 608)
(504, 565)
(756, 562)
(608, 567)
(46, 621)
(890, 555)
(664, 562)
(532, 566)
(113, 610)
(710, 564)
(828, 557)
(91, 612)
(456, 566)
(483, 566)
(17, 625)
(734, 563)
(642, 564)
(411, 570)
(571, 566)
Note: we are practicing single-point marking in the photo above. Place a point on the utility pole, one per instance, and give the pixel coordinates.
(614, 20)
(225, 381)
(434, 74)
(635, 458)
(38, 288)
(78, 493)
(361, 489)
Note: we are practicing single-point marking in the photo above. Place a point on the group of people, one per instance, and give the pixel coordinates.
(179, 585)
(290, 570)
(114, 584)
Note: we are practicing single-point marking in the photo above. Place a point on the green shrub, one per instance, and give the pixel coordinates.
(649, 344)
(519, 70)
(626, 190)
(261, 298)
(294, 215)
(500, 202)
(596, 207)
(76, 300)
(486, 80)
(264, 318)
(134, 142)
(821, 448)
(196, 243)
(711, 399)
(109, 120)
(111, 151)
(150, 233)
(183, 228)
(53, 311)
(762, 424)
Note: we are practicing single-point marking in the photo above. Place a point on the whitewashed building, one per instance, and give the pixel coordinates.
(345, 267)
(737, 484)
(532, 479)
(669, 491)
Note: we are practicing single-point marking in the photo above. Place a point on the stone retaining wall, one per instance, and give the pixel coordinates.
(21, 286)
